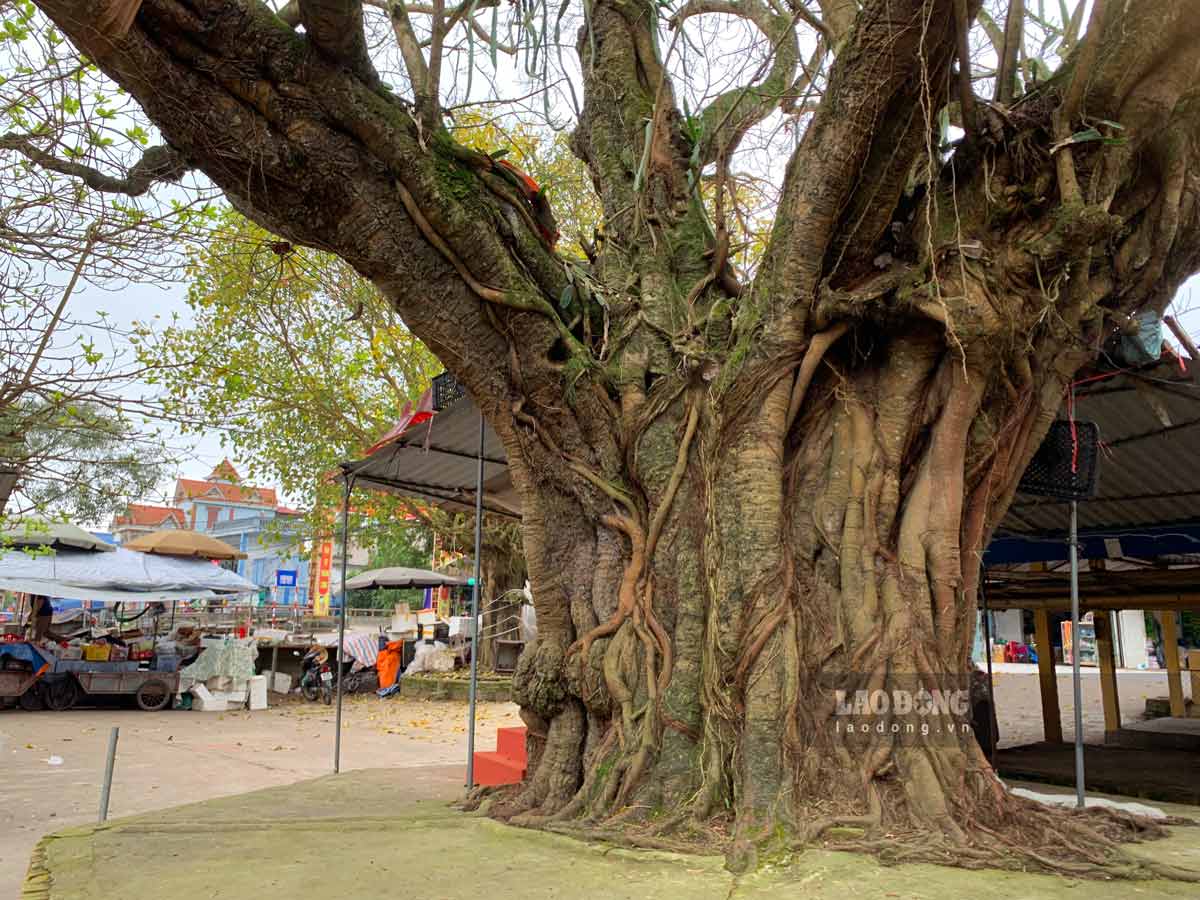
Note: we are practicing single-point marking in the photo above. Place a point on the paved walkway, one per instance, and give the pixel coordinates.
(372, 833)
(51, 764)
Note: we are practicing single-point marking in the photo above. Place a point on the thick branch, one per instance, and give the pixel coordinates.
(837, 16)
(157, 164)
(886, 88)
(432, 107)
(1014, 28)
(335, 27)
(313, 152)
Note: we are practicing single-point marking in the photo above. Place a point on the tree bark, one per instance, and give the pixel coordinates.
(739, 502)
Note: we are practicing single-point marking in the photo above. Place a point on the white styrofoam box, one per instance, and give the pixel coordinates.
(462, 625)
(258, 692)
(233, 698)
(404, 620)
(283, 683)
(204, 701)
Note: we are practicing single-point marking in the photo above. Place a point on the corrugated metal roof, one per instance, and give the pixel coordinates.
(433, 457)
(1149, 471)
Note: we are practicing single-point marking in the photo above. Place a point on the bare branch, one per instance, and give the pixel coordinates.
(1084, 63)
(837, 16)
(432, 110)
(410, 50)
(157, 164)
(803, 14)
(726, 119)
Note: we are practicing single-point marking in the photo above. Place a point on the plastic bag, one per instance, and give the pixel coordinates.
(435, 657)
(528, 623)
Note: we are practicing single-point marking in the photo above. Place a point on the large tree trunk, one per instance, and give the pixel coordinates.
(740, 500)
(692, 643)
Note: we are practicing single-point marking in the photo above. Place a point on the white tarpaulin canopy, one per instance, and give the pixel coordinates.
(121, 576)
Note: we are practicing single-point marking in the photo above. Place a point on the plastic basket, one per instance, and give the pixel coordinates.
(1065, 465)
(446, 391)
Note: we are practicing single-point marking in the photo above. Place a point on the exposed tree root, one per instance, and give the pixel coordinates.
(1081, 844)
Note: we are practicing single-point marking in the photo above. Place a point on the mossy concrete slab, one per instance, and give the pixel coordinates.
(369, 831)
(451, 687)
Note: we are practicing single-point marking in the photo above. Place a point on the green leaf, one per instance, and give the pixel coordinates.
(1079, 137)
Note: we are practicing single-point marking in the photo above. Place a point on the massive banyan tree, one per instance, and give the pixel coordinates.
(745, 489)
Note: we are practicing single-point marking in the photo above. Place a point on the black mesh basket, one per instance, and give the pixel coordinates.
(1065, 465)
(446, 391)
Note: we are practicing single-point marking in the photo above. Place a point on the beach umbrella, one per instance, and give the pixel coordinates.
(38, 533)
(178, 542)
(402, 577)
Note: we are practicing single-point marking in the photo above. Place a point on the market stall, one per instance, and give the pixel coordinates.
(127, 658)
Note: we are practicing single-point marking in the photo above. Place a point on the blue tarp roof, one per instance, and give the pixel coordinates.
(26, 652)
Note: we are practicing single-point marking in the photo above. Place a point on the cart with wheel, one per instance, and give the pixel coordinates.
(22, 667)
(151, 690)
(33, 679)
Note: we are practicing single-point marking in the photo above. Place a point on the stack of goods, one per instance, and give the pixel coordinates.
(222, 677)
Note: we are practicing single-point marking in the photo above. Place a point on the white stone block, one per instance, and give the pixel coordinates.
(258, 692)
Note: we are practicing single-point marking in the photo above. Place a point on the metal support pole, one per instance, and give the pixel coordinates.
(987, 634)
(1076, 686)
(106, 788)
(337, 728)
(475, 612)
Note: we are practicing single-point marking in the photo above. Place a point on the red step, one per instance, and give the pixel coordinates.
(495, 768)
(511, 742)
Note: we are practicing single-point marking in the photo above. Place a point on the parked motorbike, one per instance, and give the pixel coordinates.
(316, 677)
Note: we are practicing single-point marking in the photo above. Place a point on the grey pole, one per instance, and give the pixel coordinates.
(475, 612)
(106, 788)
(987, 640)
(337, 728)
(1075, 683)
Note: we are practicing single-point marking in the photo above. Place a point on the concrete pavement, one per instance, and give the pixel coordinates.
(369, 833)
